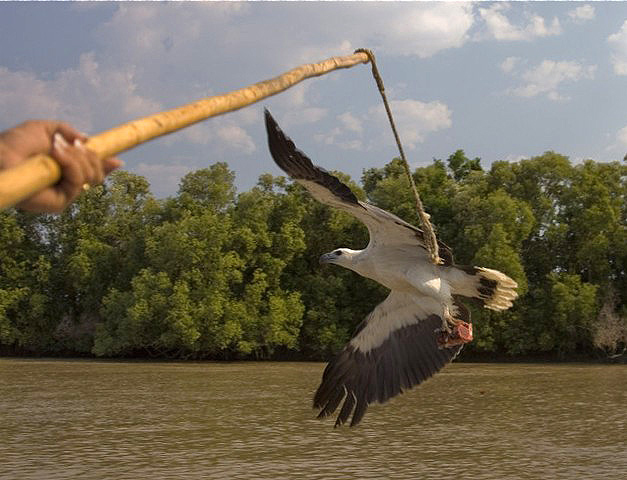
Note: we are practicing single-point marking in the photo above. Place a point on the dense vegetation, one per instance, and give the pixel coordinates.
(215, 274)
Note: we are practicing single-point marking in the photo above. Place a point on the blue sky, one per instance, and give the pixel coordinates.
(502, 81)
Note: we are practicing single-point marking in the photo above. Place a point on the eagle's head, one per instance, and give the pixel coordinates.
(340, 256)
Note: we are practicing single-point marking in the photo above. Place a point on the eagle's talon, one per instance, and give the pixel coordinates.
(461, 333)
(448, 322)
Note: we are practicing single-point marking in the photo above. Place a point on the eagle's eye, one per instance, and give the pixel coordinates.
(338, 252)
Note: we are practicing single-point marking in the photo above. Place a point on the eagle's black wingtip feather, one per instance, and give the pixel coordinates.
(299, 166)
(270, 121)
(284, 151)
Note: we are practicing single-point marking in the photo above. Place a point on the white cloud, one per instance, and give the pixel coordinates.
(338, 137)
(549, 75)
(509, 64)
(423, 29)
(295, 96)
(304, 115)
(139, 29)
(160, 36)
(500, 28)
(90, 96)
(296, 102)
(23, 95)
(621, 136)
(582, 13)
(355, 144)
(350, 122)
(237, 138)
(329, 138)
(537, 27)
(419, 29)
(313, 53)
(618, 44)
(224, 133)
(414, 119)
(348, 135)
(199, 134)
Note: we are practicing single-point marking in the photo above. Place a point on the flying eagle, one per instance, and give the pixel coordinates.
(395, 347)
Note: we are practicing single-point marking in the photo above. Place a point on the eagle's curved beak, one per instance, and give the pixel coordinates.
(327, 258)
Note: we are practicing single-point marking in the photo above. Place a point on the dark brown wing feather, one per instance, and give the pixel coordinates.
(298, 166)
(408, 357)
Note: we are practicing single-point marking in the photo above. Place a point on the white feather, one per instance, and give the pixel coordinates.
(397, 311)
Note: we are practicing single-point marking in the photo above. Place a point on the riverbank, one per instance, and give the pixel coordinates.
(464, 357)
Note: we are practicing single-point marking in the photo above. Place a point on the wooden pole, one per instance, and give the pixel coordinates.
(41, 171)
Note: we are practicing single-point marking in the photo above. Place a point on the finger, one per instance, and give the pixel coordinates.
(75, 155)
(70, 133)
(96, 169)
(89, 169)
(51, 127)
(35, 136)
(73, 172)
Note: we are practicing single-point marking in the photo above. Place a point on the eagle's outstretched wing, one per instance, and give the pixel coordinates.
(392, 350)
(385, 228)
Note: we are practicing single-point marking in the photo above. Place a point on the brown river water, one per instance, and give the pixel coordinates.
(130, 420)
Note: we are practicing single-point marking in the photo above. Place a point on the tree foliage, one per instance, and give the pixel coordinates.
(210, 273)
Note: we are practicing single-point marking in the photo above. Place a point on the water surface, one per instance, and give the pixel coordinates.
(124, 420)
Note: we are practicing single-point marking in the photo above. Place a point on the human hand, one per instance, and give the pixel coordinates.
(79, 166)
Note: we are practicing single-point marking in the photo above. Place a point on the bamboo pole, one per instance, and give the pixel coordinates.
(41, 171)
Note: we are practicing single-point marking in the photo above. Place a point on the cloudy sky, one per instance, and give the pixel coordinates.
(502, 81)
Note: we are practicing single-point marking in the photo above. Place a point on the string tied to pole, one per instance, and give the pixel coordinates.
(429, 233)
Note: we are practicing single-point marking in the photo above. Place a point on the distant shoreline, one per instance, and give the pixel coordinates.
(469, 357)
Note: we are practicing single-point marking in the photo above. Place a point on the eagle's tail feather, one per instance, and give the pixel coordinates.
(497, 290)
(494, 289)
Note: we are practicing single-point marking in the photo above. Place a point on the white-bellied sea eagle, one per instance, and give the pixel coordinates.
(395, 347)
